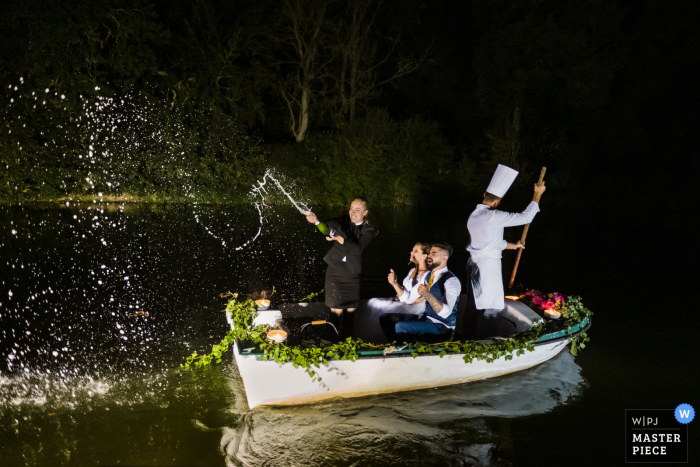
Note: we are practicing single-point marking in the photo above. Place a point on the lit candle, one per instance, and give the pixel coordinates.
(554, 314)
(277, 335)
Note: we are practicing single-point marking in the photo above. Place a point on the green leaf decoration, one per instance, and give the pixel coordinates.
(243, 313)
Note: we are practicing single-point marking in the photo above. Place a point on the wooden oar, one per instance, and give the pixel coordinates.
(522, 239)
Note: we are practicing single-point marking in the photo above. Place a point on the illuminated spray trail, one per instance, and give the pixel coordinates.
(257, 206)
(303, 208)
(223, 242)
(258, 194)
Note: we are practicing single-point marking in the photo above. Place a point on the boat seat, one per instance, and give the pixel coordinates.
(516, 317)
(520, 315)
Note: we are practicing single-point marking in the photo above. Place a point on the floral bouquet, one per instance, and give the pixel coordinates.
(551, 303)
(569, 308)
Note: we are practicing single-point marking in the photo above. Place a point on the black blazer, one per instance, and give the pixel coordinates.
(357, 238)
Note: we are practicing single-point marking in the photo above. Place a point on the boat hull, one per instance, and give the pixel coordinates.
(268, 383)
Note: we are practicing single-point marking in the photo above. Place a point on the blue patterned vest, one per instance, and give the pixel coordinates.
(438, 291)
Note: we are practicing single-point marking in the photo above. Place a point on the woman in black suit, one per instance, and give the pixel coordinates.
(350, 235)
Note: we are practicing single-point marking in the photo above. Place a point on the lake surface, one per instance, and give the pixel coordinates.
(101, 304)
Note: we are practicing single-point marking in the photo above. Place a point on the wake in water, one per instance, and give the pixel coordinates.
(258, 194)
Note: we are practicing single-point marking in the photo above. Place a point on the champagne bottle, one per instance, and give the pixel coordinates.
(324, 228)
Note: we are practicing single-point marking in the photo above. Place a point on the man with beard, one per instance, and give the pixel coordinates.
(441, 290)
(485, 226)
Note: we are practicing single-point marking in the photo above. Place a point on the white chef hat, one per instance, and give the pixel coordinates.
(501, 180)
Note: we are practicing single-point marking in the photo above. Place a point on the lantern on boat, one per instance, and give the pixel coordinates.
(552, 313)
(277, 335)
(263, 303)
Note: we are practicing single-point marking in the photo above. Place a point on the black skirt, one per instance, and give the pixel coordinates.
(342, 287)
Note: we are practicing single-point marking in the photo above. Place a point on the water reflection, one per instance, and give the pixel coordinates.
(156, 420)
(454, 425)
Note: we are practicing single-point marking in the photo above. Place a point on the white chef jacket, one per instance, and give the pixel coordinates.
(486, 230)
(410, 291)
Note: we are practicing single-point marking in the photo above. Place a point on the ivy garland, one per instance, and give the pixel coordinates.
(243, 313)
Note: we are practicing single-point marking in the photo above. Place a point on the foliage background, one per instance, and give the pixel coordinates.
(447, 89)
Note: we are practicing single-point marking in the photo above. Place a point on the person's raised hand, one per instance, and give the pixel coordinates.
(423, 290)
(392, 277)
(337, 238)
(311, 217)
(539, 189)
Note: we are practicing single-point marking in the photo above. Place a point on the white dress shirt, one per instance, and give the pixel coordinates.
(410, 291)
(452, 290)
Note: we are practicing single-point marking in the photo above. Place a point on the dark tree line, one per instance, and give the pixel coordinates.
(385, 98)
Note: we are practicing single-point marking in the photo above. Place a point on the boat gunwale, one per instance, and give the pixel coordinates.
(563, 334)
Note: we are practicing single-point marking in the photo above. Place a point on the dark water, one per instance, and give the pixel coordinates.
(86, 378)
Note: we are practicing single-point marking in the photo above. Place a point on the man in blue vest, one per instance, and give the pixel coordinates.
(441, 292)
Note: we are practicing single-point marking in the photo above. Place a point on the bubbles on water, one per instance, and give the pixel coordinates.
(105, 291)
(66, 392)
(113, 291)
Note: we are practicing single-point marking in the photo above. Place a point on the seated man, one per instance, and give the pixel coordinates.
(441, 291)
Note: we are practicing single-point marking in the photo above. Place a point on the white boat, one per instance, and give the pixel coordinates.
(269, 383)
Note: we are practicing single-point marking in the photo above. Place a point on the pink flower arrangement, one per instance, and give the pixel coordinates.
(547, 302)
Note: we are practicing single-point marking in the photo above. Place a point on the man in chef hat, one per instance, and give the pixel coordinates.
(485, 226)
